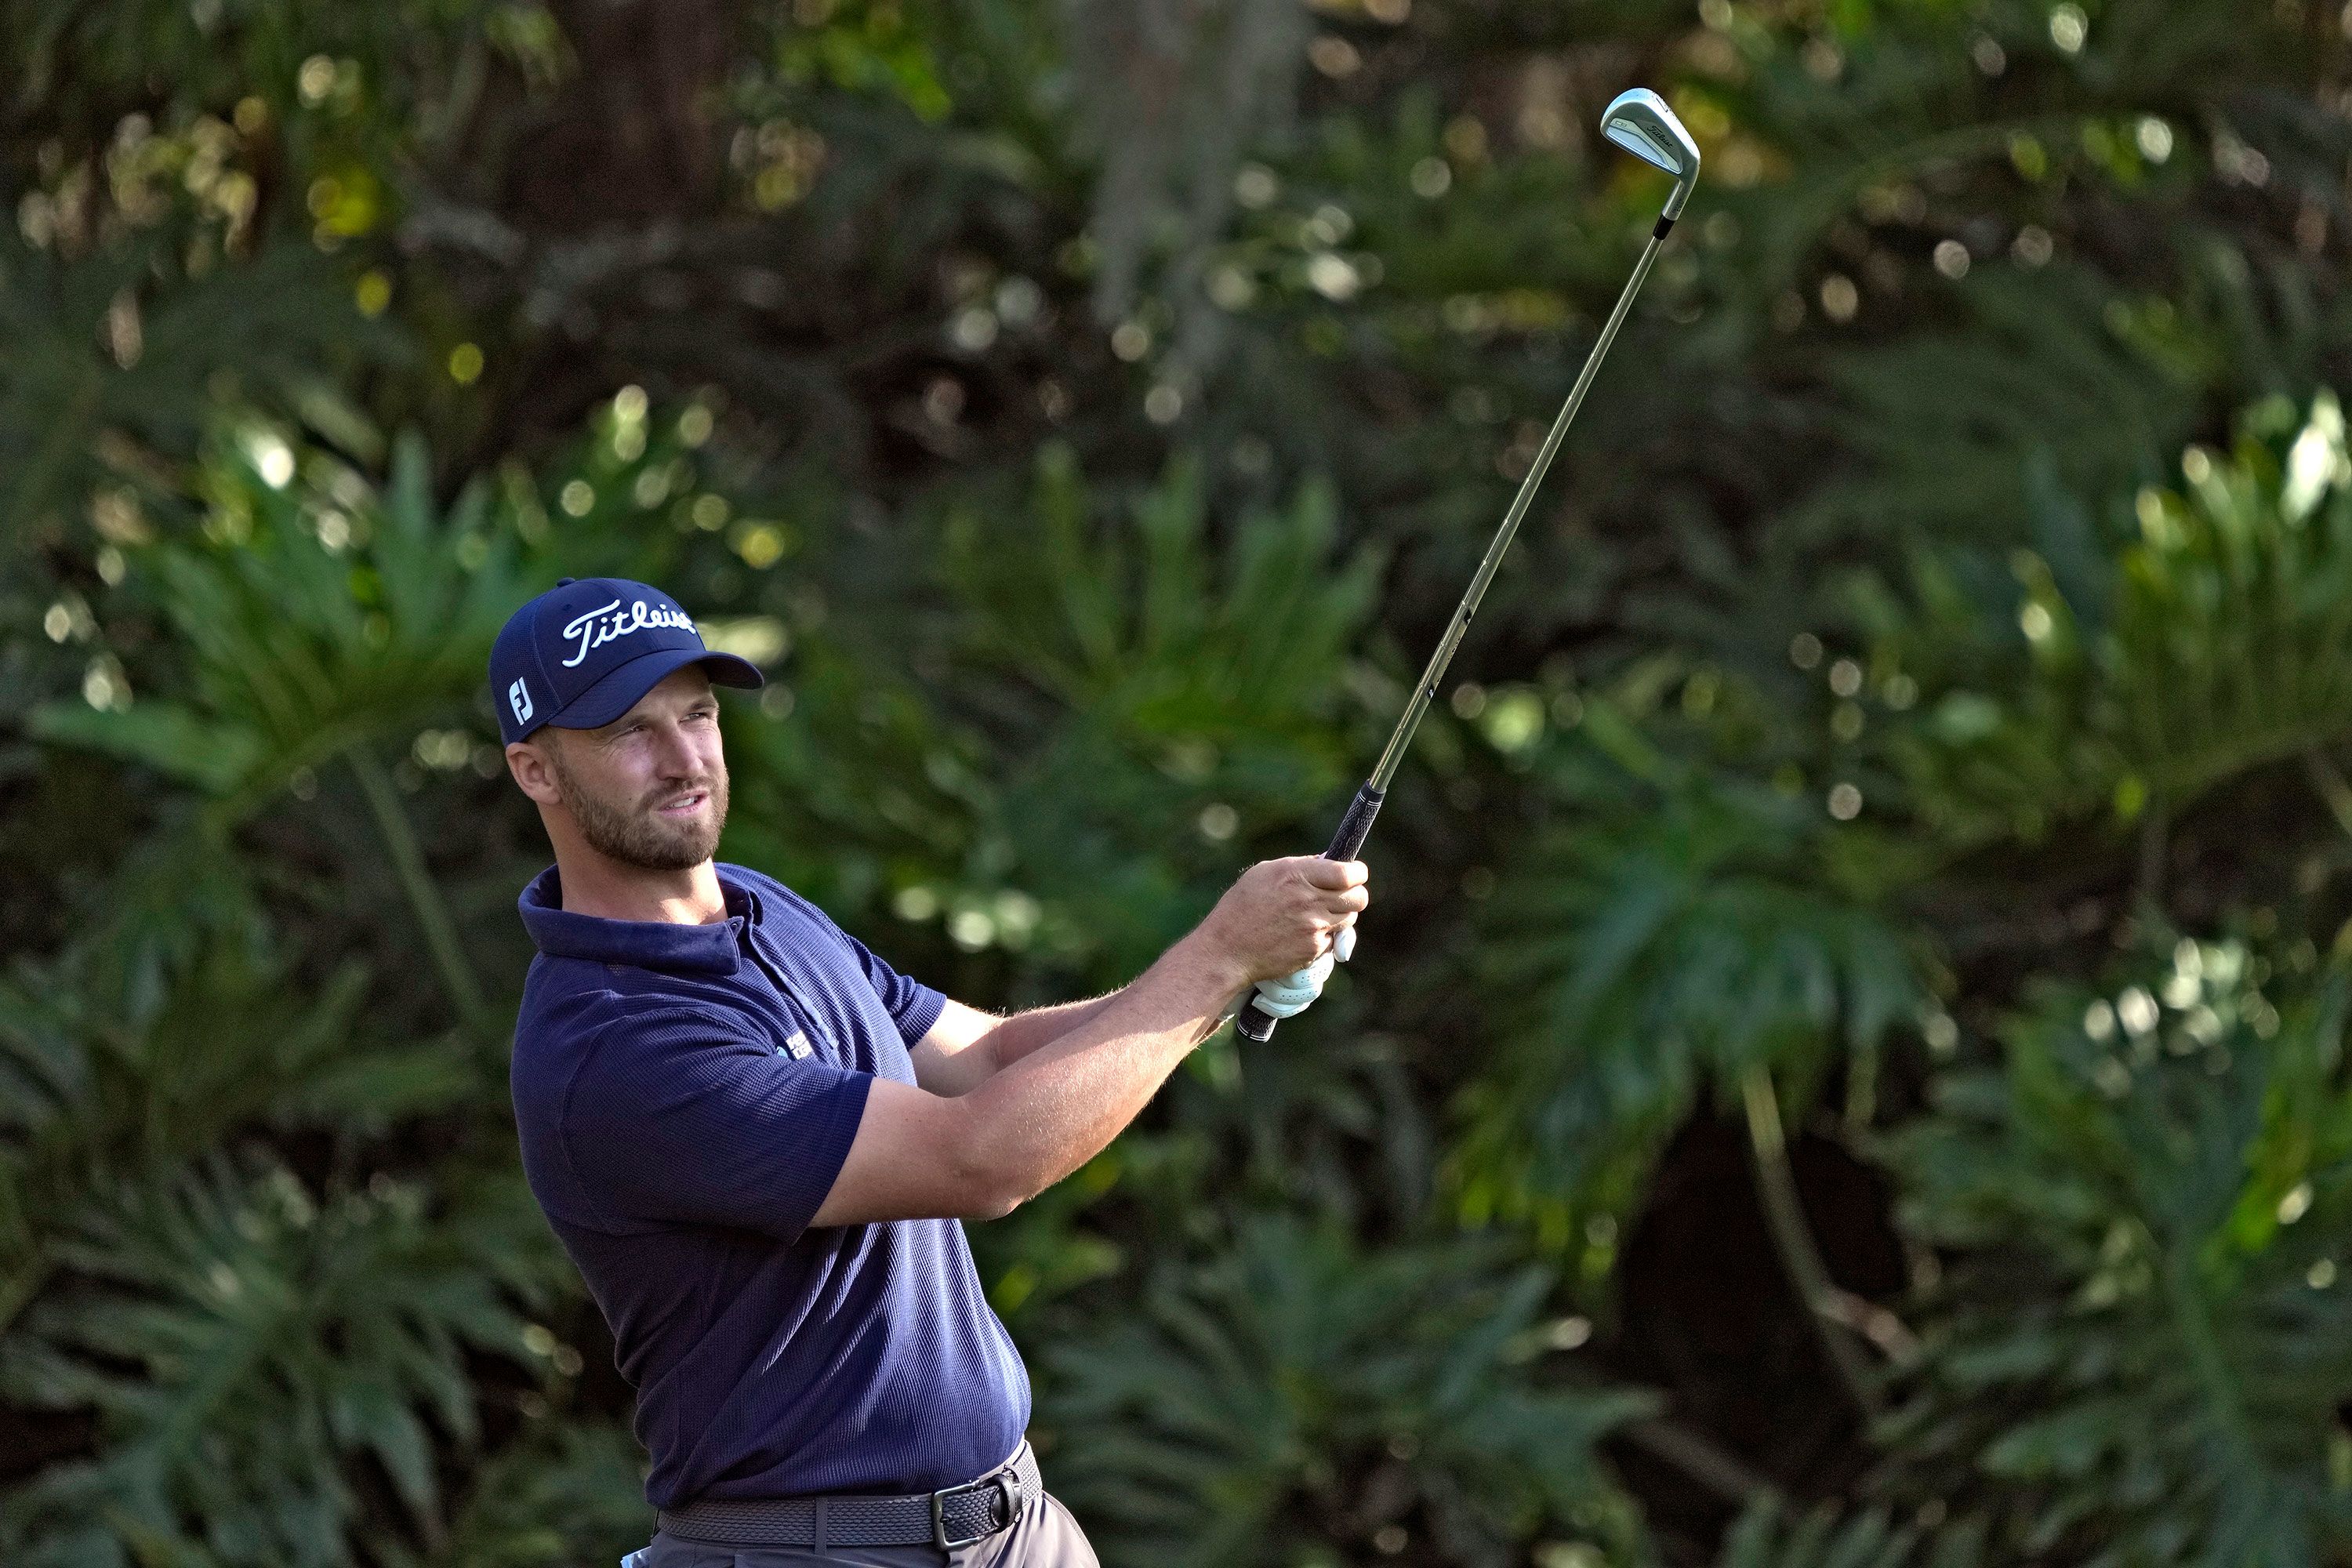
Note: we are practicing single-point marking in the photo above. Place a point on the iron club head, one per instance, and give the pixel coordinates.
(1638, 121)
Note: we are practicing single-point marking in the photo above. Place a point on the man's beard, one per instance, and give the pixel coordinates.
(639, 836)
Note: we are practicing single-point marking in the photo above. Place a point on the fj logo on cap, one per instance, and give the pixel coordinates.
(519, 696)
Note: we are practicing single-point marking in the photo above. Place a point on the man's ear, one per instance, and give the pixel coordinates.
(534, 772)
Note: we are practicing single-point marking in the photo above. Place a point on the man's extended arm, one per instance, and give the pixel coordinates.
(920, 1153)
(965, 1046)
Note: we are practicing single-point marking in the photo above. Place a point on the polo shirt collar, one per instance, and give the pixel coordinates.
(714, 948)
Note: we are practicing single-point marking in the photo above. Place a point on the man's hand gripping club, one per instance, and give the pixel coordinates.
(1301, 877)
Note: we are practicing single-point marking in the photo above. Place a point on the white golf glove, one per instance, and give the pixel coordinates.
(1294, 994)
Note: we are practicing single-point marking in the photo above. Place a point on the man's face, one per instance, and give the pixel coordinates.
(650, 788)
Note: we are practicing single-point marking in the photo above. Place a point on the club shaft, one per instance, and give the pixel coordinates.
(1425, 692)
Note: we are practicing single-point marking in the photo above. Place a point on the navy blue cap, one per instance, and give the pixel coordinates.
(580, 655)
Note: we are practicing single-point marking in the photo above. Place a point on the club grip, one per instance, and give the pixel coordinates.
(1357, 826)
(1255, 1023)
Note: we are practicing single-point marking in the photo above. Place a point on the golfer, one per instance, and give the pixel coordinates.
(755, 1138)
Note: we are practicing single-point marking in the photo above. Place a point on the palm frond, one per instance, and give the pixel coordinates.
(2140, 1355)
(1304, 1388)
(244, 1346)
(1671, 931)
(2217, 642)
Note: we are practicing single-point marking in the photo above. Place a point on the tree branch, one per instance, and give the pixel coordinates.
(424, 896)
(1723, 1473)
(1793, 1239)
(2329, 779)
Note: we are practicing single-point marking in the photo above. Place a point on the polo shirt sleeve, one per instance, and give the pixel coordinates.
(913, 1005)
(677, 1118)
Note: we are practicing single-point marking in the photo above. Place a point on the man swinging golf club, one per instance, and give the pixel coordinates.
(755, 1138)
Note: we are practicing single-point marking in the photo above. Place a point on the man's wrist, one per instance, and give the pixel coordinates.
(1221, 970)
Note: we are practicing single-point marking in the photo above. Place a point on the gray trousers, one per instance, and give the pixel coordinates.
(1045, 1536)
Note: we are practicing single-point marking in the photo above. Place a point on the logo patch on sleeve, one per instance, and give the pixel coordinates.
(795, 1045)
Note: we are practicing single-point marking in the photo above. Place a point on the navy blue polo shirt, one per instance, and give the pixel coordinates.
(686, 1095)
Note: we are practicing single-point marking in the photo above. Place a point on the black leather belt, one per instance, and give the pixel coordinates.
(952, 1517)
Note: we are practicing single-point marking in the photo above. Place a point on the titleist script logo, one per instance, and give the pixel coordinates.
(606, 622)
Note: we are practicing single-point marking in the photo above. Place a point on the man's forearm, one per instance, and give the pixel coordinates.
(991, 1044)
(1024, 1032)
(923, 1151)
(1044, 1116)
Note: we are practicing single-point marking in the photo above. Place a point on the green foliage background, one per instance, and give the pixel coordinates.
(1847, 1066)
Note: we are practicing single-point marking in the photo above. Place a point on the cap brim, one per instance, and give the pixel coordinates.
(621, 688)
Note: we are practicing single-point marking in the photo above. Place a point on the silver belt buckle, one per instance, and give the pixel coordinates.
(1007, 1483)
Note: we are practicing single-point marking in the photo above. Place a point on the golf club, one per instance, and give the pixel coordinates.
(1641, 123)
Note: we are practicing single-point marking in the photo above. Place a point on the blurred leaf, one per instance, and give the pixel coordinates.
(242, 1343)
(1302, 1384)
(2135, 1359)
(2220, 642)
(1670, 930)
